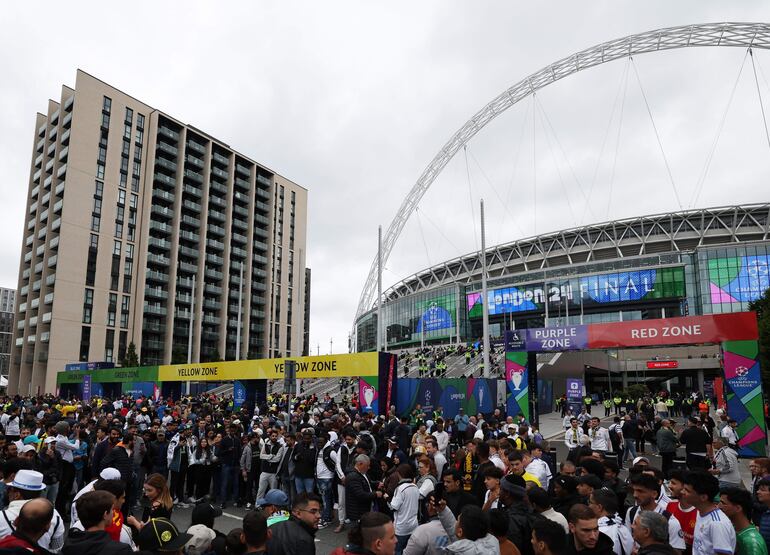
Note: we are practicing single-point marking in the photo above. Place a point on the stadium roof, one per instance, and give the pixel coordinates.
(631, 237)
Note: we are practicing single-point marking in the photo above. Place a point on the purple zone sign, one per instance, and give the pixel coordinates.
(566, 338)
(574, 389)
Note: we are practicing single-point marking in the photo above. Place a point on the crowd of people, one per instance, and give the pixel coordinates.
(105, 476)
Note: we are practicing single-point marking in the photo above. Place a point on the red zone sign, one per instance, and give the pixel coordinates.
(658, 364)
(688, 330)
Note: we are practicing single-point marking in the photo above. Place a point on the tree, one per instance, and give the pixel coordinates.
(130, 359)
(762, 307)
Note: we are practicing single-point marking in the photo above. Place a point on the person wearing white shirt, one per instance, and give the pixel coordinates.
(714, 533)
(106, 474)
(600, 437)
(574, 435)
(645, 491)
(729, 433)
(438, 457)
(539, 468)
(442, 438)
(405, 503)
(11, 424)
(604, 503)
(26, 485)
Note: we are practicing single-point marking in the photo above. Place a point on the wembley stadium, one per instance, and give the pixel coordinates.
(706, 261)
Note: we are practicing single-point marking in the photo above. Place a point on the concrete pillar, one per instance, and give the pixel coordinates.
(700, 380)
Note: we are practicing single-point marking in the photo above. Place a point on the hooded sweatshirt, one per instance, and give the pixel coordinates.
(488, 545)
(79, 542)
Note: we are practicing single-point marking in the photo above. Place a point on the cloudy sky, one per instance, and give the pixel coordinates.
(353, 99)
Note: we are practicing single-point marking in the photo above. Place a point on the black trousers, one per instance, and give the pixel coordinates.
(65, 487)
(668, 459)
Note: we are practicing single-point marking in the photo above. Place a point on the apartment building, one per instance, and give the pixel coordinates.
(142, 229)
(7, 305)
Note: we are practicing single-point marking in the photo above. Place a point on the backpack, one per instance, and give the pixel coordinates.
(614, 437)
(326, 455)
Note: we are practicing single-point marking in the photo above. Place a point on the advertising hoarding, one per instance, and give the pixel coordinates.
(738, 279)
(598, 289)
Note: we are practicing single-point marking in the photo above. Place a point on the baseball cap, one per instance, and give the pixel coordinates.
(638, 460)
(274, 497)
(110, 473)
(201, 539)
(31, 439)
(160, 534)
(393, 439)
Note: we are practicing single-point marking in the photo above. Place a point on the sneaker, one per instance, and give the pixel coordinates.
(248, 506)
(322, 525)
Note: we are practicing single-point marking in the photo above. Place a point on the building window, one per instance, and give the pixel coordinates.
(129, 116)
(97, 206)
(139, 121)
(111, 309)
(107, 104)
(123, 179)
(121, 197)
(95, 221)
(94, 241)
(129, 251)
(133, 202)
(116, 248)
(100, 171)
(88, 303)
(98, 189)
(85, 342)
(119, 230)
(109, 345)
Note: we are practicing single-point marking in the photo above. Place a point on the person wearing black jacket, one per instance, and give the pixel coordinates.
(119, 459)
(305, 458)
(359, 493)
(513, 497)
(584, 537)
(296, 536)
(454, 494)
(95, 513)
(229, 455)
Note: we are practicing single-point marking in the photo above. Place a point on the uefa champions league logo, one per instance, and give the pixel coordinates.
(741, 371)
(427, 397)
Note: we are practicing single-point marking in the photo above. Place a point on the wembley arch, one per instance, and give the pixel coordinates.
(741, 35)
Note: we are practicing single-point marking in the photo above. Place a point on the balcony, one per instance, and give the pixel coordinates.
(63, 154)
(50, 280)
(28, 256)
(195, 176)
(218, 187)
(45, 199)
(162, 211)
(158, 259)
(258, 286)
(164, 179)
(262, 206)
(48, 299)
(154, 275)
(167, 148)
(47, 182)
(187, 283)
(192, 190)
(220, 159)
(240, 253)
(217, 201)
(167, 132)
(167, 164)
(65, 137)
(187, 267)
(189, 236)
(219, 245)
(56, 224)
(261, 219)
(68, 103)
(159, 243)
(155, 309)
(34, 303)
(58, 206)
(185, 298)
(59, 189)
(39, 267)
(160, 226)
(155, 293)
(241, 211)
(210, 319)
(38, 161)
(26, 273)
(216, 215)
(219, 173)
(192, 145)
(163, 195)
(240, 224)
(151, 345)
(212, 304)
(213, 289)
(189, 158)
(190, 205)
(216, 230)
(182, 314)
(189, 220)
(52, 260)
(243, 170)
(261, 193)
(40, 144)
(61, 171)
(155, 327)
(260, 246)
(214, 259)
(214, 274)
(242, 183)
(46, 318)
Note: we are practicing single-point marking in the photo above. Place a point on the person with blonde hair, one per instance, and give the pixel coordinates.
(159, 501)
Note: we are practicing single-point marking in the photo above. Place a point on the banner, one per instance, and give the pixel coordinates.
(326, 366)
(687, 330)
(239, 394)
(138, 389)
(121, 375)
(743, 387)
(565, 338)
(368, 396)
(517, 384)
(87, 388)
(474, 395)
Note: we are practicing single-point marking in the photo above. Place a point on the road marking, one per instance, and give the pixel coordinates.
(229, 515)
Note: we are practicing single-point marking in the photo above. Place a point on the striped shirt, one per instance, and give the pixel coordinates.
(714, 533)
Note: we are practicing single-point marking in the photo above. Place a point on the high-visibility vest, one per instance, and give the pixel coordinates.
(618, 400)
(607, 403)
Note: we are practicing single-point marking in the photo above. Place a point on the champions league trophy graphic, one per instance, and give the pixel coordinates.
(481, 397)
(516, 378)
(368, 396)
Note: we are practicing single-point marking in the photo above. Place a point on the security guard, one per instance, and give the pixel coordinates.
(618, 400)
(607, 406)
(588, 401)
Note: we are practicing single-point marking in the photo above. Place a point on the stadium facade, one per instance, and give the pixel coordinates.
(705, 261)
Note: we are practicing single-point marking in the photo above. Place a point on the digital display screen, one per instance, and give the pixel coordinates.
(615, 287)
(738, 279)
